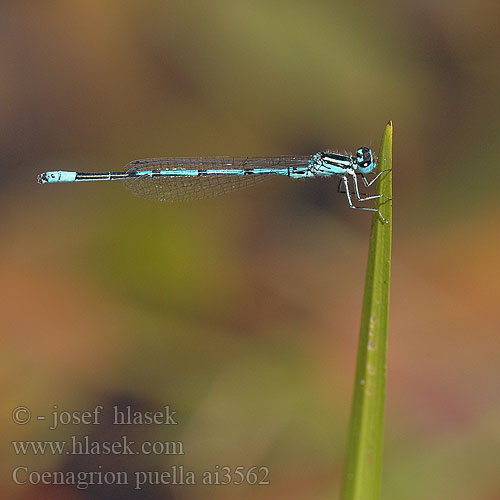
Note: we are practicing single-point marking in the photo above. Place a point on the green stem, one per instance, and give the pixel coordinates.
(363, 468)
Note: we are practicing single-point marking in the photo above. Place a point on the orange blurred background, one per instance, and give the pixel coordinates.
(242, 313)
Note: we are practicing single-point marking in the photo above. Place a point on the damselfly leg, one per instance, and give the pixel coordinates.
(351, 205)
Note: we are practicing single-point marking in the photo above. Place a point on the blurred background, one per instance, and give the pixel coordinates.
(242, 313)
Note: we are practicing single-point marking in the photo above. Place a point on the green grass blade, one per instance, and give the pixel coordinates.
(363, 469)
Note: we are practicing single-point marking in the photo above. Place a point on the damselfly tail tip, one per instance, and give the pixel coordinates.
(42, 178)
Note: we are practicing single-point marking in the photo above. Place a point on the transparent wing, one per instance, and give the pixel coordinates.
(189, 188)
(177, 189)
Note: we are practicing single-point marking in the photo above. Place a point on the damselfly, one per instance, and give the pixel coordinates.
(186, 179)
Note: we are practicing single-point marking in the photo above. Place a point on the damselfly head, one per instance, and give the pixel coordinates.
(364, 160)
